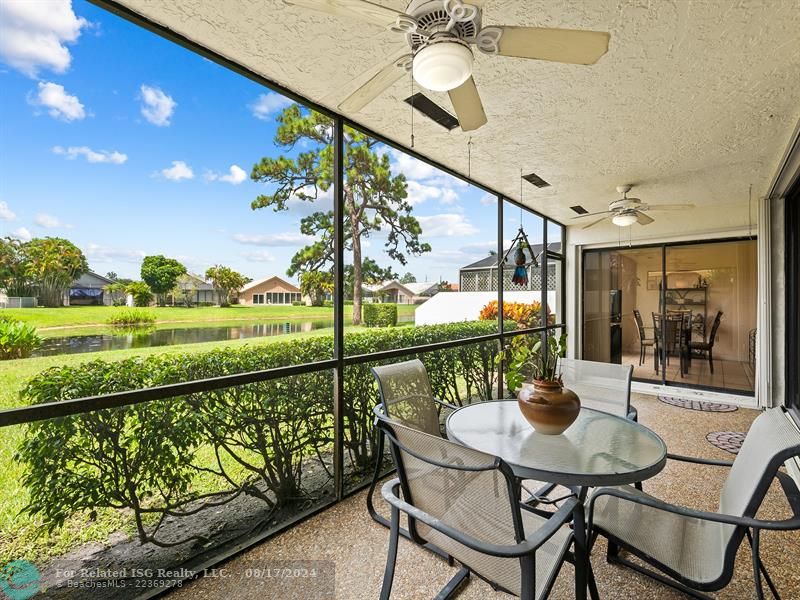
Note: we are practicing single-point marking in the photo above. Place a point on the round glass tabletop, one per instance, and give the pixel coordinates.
(597, 449)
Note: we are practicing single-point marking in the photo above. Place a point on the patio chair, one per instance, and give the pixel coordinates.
(406, 397)
(644, 341)
(696, 549)
(601, 386)
(465, 503)
(706, 347)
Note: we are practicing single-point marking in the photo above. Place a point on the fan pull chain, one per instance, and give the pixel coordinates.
(469, 160)
(750, 211)
(412, 110)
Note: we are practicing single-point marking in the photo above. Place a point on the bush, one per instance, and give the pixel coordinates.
(17, 339)
(142, 295)
(132, 316)
(264, 436)
(379, 315)
(297, 303)
(525, 315)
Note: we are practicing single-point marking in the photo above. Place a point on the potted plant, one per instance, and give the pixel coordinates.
(545, 403)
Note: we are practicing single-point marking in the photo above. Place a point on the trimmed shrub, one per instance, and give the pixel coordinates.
(270, 440)
(17, 339)
(526, 315)
(132, 316)
(379, 315)
(297, 303)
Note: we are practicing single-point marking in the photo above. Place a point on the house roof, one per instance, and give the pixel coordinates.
(102, 279)
(290, 286)
(417, 288)
(491, 261)
(195, 280)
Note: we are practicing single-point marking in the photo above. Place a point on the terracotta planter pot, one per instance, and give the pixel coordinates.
(548, 406)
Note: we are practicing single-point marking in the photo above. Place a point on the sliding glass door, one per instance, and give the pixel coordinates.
(682, 314)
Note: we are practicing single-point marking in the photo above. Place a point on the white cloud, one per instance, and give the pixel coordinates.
(6, 214)
(267, 104)
(178, 171)
(103, 254)
(92, 156)
(50, 222)
(273, 239)
(22, 234)
(259, 256)
(411, 167)
(420, 192)
(235, 176)
(33, 34)
(59, 103)
(157, 107)
(446, 225)
(488, 200)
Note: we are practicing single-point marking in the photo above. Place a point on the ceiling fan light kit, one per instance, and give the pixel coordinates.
(440, 35)
(627, 211)
(443, 65)
(624, 220)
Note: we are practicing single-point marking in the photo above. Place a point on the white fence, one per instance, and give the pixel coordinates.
(18, 302)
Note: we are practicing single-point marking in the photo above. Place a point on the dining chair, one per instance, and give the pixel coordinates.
(669, 338)
(706, 347)
(644, 341)
(696, 549)
(466, 504)
(407, 397)
(601, 386)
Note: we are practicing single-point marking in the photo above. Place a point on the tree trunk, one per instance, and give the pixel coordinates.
(356, 232)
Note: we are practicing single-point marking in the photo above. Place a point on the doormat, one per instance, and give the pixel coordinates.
(726, 440)
(697, 404)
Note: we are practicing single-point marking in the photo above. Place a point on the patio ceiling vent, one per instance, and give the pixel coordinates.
(580, 210)
(432, 110)
(534, 179)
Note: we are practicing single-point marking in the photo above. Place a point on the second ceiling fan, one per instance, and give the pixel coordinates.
(440, 35)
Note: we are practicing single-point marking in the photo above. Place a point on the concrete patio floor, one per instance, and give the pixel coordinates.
(346, 535)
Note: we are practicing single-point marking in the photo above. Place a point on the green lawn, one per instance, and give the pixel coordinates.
(72, 316)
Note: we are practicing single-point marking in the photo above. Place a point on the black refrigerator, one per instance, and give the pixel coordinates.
(615, 337)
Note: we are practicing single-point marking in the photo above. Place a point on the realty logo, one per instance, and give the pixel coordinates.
(19, 580)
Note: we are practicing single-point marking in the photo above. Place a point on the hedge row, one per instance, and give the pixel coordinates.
(379, 315)
(256, 439)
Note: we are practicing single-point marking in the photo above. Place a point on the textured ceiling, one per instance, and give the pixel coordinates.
(694, 102)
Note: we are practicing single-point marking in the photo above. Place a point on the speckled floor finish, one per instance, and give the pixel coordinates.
(346, 535)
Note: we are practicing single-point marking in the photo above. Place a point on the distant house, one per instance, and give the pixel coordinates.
(87, 290)
(196, 289)
(408, 293)
(272, 290)
(481, 276)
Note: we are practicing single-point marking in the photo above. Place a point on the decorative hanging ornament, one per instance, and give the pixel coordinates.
(521, 263)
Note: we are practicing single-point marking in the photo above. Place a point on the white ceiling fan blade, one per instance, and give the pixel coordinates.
(468, 106)
(593, 223)
(559, 45)
(594, 214)
(669, 206)
(355, 9)
(643, 219)
(377, 84)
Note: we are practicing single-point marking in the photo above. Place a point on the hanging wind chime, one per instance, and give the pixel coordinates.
(518, 246)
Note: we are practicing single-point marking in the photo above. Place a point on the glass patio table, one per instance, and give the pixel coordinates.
(598, 449)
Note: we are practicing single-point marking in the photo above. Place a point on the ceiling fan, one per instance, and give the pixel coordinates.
(627, 211)
(440, 35)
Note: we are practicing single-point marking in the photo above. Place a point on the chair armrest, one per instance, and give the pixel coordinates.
(390, 490)
(784, 525)
(445, 404)
(700, 461)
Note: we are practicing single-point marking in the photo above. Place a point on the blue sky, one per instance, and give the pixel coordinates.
(129, 145)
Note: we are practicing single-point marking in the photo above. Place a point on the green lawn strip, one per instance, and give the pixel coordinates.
(72, 316)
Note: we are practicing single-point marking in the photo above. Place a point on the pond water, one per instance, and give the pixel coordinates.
(77, 343)
(145, 338)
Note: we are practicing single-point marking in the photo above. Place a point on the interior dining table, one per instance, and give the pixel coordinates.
(598, 449)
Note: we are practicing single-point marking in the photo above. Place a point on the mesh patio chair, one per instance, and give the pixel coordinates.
(601, 386)
(465, 503)
(695, 548)
(406, 397)
(644, 341)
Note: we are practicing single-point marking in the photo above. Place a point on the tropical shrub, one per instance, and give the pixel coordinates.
(525, 315)
(17, 339)
(269, 440)
(131, 316)
(142, 295)
(379, 315)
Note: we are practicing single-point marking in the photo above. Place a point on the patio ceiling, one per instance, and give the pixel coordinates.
(694, 102)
